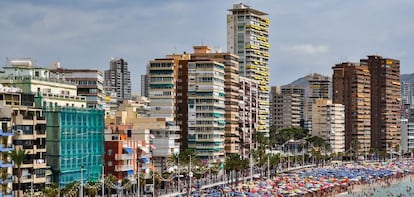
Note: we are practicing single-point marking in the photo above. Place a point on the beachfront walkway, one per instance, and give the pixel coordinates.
(220, 183)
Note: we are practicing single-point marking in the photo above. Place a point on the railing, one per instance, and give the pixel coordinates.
(123, 157)
(41, 132)
(123, 168)
(6, 147)
(40, 118)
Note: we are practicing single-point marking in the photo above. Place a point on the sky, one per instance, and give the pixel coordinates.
(305, 36)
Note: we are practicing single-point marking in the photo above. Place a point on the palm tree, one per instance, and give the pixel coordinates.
(71, 189)
(126, 184)
(17, 156)
(110, 183)
(274, 161)
(52, 191)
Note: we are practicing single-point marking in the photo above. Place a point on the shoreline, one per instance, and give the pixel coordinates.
(369, 189)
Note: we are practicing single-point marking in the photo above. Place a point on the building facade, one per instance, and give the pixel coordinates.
(287, 106)
(74, 145)
(329, 123)
(118, 79)
(320, 87)
(247, 37)
(407, 93)
(407, 135)
(231, 94)
(206, 108)
(352, 88)
(248, 114)
(385, 101)
(144, 85)
(89, 84)
(6, 145)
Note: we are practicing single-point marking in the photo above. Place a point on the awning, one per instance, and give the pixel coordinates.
(144, 160)
(128, 150)
(130, 172)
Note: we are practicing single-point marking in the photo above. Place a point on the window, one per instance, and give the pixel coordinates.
(109, 152)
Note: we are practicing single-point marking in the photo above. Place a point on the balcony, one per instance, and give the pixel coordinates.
(120, 168)
(6, 148)
(123, 157)
(6, 164)
(8, 179)
(6, 133)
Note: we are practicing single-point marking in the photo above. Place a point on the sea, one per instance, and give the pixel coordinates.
(394, 190)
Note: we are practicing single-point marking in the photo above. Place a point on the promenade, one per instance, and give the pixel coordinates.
(222, 181)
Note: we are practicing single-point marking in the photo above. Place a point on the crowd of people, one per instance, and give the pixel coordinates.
(348, 179)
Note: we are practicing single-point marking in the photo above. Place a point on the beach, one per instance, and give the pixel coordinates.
(356, 179)
(398, 187)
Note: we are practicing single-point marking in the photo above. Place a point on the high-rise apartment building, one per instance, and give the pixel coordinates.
(167, 91)
(385, 102)
(176, 92)
(287, 106)
(352, 88)
(320, 87)
(407, 93)
(206, 108)
(248, 113)
(118, 79)
(407, 98)
(144, 85)
(329, 123)
(248, 38)
(231, 92)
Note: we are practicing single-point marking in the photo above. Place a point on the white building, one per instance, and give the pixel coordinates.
(54, 90)
(328, 122)
(206, 108)
(407, 135)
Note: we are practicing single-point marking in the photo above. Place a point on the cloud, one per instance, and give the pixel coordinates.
(306, 49)
(305, 36)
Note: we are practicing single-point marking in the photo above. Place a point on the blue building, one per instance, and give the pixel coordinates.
(75, 143)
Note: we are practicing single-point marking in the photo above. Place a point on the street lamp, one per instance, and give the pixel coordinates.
(81, 185)
(152, 163)
(190, 175)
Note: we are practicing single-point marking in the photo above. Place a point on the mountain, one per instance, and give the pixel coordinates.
(303, 81)
(407, 78)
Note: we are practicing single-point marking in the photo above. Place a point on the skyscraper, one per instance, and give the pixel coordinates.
(247, 37)
(385, 102)
(352, 88)
(118, 79)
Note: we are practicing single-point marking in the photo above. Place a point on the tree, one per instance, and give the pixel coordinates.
(71, 189)
(18, 155)
(126, 184)
(274, 161)
(287, 134)
(110, 183)
(52, 191)
(234, 163)
(355, 145)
